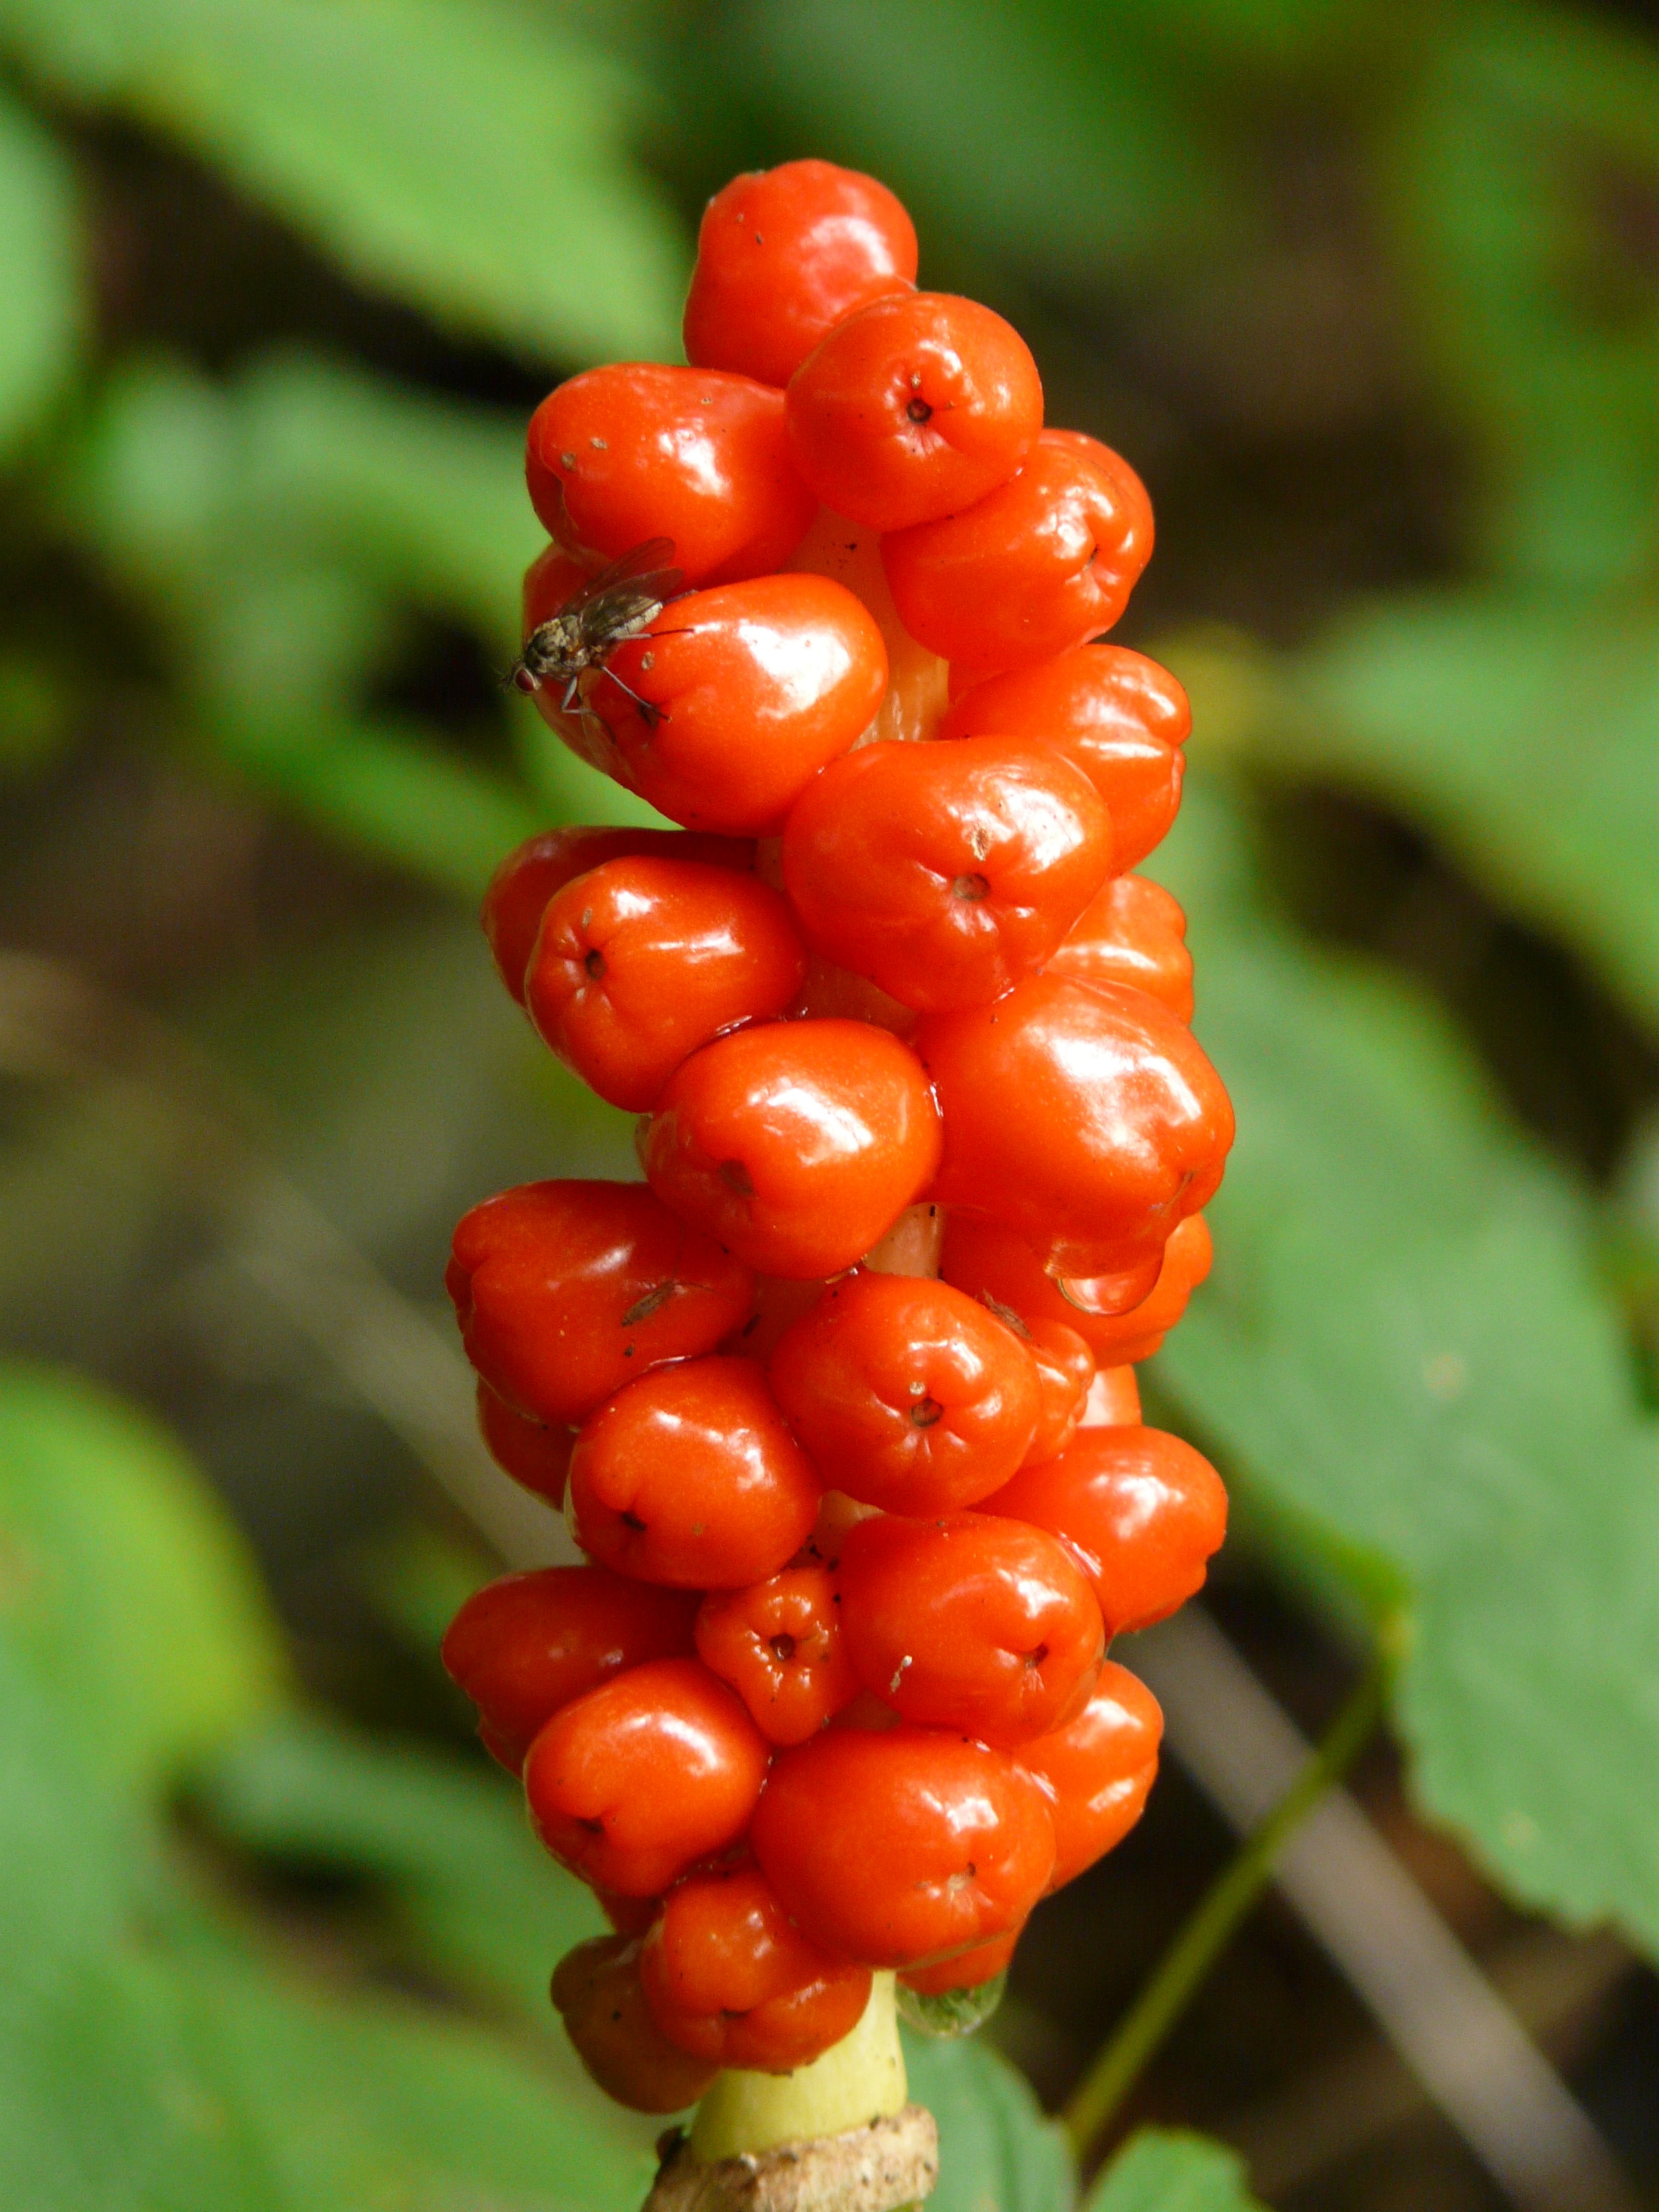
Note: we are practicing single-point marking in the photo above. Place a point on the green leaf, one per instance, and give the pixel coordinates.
(122, 1582)
(1407, 1357)
(40, 251)
(1062, 95)
(997, 2152)
(1525, 736)
(465, 156)
(1511, 185)
(450, 1842)
(1169, 2170)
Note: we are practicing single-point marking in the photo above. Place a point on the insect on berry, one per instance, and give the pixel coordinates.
(618, 604)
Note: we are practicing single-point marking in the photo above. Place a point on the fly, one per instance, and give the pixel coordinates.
(617, 604)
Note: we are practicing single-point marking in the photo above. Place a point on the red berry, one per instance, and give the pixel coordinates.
(630, 1786)
(566, 1290)
(641, 961)
(1118, 716)
(1113, 1398)
(535, 1453)
(1040, 564)
(690, 1477)
(907, 1395)
(1140, 1512)
(783, 255)
(968, 1622)
(523, 1646)
(598, 1993)
(747, 691)
(1065, 1375)
(966, 1971)
(639, 450)
(1095, 1770)
(1134, 1123)
(915, 406)
(904, 1846)
(1131, 932)
(529, 877)
(778, 1643)
(729, 1980)
(797, 1144)
(989, 1261)
(945, 873)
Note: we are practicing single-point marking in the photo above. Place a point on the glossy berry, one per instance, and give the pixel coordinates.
(916, 405)
(1134, 1123)
(1132, 932)
(530, 875)
(642, 961)
(597, 1994)
(783, 255)
(731, 1981)
(967, 1970)
(778, 1643)
(690, 1477)
(902, 1846)
(989, 1261)
(566, 1290)
(968, 1622)
(796, 1144)
(740, 696)
(945, 873)
(1118, 716)
(639, 450)
(907, 1395)
(523, 1646)
(1042, 563)
(534, 1453)
(1065, 1375)
(1095, 1770)
(631, 1784)
(1114, 1399)
(1140, 1512)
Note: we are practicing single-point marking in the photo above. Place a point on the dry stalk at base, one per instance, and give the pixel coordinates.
(891, 2160)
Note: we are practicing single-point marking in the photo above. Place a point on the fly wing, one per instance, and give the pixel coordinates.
(644, 574)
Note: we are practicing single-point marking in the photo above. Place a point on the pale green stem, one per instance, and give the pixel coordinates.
(860, 2079)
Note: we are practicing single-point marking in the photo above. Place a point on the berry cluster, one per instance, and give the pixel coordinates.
(840, 1402)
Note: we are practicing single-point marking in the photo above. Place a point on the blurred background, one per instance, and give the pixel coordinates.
(1368, 290)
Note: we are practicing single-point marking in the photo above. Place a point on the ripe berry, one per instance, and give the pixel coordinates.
(631, 1784)
(778, 1643)
(783, 255)
(523, 1646)
(740, 696)
(1095, 1770)
(729, 1980)
(535, 1453)
(968, 1970)
(598, 1995)
(1065, 1375)
(968, 1622)
(911, 408)
(907, 1395)
(797, 1144)
(1118, 716)
(989, 1261)
(638, 450)
(1040, 564)
(1132, 932)
(1113, 1398)
(1140, 1512)
(945, 873)
(1136, 1124)
(902, 1846)
(641, 961)
(529, 877)
(690, 1477)
(566, 1290)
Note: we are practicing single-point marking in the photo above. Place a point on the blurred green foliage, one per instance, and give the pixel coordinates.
(1416, 1359)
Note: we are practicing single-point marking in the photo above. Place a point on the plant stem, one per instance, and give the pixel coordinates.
(860, 2079)
(1211, 1926)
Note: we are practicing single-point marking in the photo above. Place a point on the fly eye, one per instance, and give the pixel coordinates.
(524, 681)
